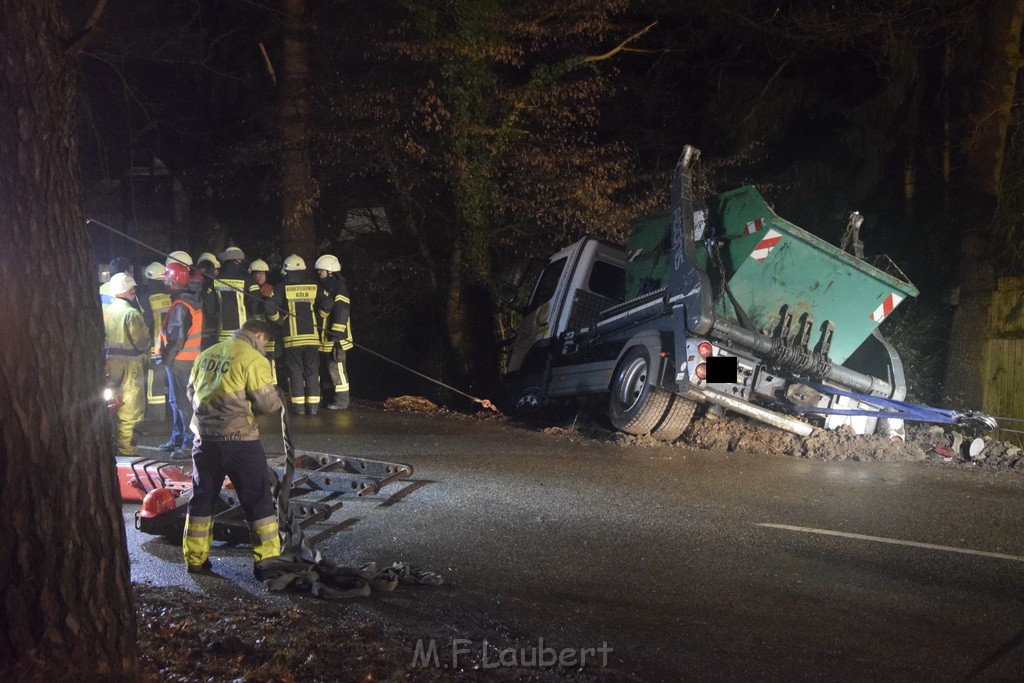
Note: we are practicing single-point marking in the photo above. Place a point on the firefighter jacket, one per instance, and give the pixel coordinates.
(297, 303)
(183, 327)
(126, 335)
(106, 298)
(231, 383)
(235, 291)
(336, 327)
(211, 310)
(158, 302)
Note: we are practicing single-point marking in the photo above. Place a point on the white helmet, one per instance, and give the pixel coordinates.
(121, 283)
(207, 256)
(232, 254)
(329, 263)
(293, 262)
(178, 257)
(259, 266)
(154, 271)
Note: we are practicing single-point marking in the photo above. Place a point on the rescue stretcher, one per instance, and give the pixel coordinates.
(319, 482)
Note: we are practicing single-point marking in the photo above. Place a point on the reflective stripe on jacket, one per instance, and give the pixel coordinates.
(159, 304)
(231, 286)
(299, 297)
(337, 326)
(231, 383)
(126, 334)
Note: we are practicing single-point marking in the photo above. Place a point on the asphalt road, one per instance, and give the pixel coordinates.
(687, 564)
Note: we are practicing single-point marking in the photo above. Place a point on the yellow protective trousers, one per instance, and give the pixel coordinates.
(245, 464)
(128, 379)
(198, 538)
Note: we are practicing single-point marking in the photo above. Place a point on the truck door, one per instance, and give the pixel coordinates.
(535, 328)
(576, 284)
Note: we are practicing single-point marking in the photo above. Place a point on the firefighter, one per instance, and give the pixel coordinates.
(235, 292)
(180, 341)
(336, 332)
(119, 264)
(127, 341)
(258, 270)
(231, 383)
(295, 303)
(179, 257)
(157, 302)
(207, 268)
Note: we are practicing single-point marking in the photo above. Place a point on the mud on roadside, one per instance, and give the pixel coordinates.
(923, 442)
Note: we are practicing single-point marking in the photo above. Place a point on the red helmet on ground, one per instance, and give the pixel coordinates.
(157, 502)
(176, 275)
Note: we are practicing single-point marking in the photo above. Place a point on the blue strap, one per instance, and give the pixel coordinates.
(888, 407)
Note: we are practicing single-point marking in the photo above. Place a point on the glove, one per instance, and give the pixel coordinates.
(338, 353)
(267, 289)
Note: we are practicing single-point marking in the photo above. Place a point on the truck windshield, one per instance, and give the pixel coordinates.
(546, 284)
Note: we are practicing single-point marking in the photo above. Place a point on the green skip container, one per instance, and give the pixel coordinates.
(770, 263)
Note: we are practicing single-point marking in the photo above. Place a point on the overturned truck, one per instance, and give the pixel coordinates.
(724, 304)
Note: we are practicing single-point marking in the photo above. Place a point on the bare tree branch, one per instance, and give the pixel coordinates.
(620, 47)
(75, 43)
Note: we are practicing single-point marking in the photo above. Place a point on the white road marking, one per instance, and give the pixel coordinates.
(894, 541)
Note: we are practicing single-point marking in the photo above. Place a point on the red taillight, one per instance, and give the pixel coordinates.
(704, 349)
(701, 371)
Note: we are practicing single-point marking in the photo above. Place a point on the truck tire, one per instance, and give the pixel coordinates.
(677, 418)
(636, 407)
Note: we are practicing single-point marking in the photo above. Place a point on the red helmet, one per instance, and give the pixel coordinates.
(176, 275)
(157, 502)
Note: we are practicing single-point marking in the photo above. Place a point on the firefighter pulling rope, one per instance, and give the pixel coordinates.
(482, 402)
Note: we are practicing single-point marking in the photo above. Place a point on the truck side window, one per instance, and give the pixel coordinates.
(546, 284)
(608, 280)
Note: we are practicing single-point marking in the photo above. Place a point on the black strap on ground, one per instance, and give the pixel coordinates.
(302, 569)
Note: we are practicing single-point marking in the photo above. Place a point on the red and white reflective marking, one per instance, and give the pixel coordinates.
(765, 246)
(882, 312)
(753, 226)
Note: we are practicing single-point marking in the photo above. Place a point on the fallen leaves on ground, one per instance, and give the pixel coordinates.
(185, 636)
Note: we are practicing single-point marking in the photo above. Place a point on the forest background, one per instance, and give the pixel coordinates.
(437, 145)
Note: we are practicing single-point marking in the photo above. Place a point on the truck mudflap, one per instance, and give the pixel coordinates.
(319, 481)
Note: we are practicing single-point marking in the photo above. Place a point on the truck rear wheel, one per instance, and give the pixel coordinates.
(636, 407)
(677, 418)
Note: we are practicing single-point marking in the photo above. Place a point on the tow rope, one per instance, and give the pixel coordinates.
(482, 402)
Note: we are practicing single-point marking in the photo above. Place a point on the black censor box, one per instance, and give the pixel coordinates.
(721, 370)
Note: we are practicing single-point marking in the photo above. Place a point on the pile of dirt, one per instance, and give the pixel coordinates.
(412, 404)
(735, 433)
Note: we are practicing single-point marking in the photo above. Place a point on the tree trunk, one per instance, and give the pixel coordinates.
(66, 608)
(298, 189)
(974, 206)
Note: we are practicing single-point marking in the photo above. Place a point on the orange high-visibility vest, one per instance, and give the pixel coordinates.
(194, 338)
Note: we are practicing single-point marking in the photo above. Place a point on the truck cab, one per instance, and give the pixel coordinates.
(577, 284)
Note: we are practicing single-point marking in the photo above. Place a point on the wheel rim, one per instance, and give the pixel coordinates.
(530, 400)
(634, 381)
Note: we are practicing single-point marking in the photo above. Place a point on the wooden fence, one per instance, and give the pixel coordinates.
(1004, 357)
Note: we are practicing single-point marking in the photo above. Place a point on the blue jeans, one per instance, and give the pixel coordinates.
(177, 400)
